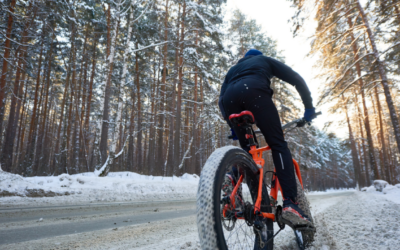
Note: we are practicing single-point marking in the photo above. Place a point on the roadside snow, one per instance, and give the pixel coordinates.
(389, 192)
(363, 221)
(345, 219)
(330, 191)
(86, 187)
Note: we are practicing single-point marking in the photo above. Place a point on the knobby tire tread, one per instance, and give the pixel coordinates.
(208, 196)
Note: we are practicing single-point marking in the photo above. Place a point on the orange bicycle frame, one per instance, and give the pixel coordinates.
(257, 157)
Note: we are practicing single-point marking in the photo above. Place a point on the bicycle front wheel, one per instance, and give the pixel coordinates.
(218, 225)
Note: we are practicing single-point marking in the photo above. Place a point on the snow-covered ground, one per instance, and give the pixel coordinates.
(86, 187)
(345, 219)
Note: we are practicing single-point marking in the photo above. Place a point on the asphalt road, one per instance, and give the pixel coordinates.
(33, 223)
(132, 225)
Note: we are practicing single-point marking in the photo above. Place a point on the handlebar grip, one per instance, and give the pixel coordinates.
(318, 113)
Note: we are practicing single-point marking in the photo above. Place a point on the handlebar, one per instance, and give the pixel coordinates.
(299, 123)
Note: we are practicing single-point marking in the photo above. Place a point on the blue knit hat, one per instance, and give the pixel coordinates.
(253, 52)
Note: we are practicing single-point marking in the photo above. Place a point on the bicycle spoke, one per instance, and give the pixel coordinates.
(242, 235)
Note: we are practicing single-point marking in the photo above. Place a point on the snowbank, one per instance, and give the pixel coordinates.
(329, 191)
(86, 187)
(384, 189)
(380, 185)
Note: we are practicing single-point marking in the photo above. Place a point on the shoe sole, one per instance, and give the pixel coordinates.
(295, 222)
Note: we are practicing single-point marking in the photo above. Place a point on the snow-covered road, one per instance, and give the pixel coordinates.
(129, 211)
(32, 223)
(345, 220)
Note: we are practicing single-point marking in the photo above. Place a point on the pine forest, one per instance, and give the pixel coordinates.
(133, 85)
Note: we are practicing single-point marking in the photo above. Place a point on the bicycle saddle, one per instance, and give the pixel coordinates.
(245, 117)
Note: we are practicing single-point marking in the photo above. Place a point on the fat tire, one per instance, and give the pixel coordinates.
(304, 204)
(209, 194)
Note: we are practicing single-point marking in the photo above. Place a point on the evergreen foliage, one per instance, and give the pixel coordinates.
(133, 86)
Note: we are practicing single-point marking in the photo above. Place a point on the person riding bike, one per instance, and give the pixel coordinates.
(247, 87)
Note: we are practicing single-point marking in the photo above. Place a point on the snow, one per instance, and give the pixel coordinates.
(380, 185)
(87, 187)
(329, 191)
(385, 190)
(345, 219)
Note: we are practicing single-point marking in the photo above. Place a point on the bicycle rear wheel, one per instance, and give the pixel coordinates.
(217, 231)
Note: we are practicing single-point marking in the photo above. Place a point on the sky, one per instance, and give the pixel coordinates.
(273, 16)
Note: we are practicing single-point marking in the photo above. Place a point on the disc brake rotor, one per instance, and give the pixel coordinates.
(228, 223)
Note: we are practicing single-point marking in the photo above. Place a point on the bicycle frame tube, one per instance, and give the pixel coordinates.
(235, 190)
(257, 157)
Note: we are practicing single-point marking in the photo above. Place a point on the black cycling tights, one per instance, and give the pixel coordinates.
(250, 94)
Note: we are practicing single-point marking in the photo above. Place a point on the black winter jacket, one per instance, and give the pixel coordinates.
(264, 68)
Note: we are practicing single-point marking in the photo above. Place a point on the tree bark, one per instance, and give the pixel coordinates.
(171, 140)
(21, 131)
(367, 176)
(107, 83)
(160, 148)
(43, 122)
(201, 150)
(194, 153)
(139, 162)
(366, 114)
(7, 51)
(118, 123)
(356, 163)
(152, 139)
(178, 115)
(31, 141)
(382, 73)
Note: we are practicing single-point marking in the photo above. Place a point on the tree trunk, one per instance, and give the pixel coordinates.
(201, 150)
(80, 107)
(366, 115)
(171, 140)
(187, 166)
(381, 164)
(107, 83)
(89, 103)
(367, 176)
(7, 51)
(131, 148)
(139, 162)
(36, 165)
(21, 130)
(7, 155)
(160, 148)
(152, 136)
(356, 163)
(382, 73)
(31, 141)
(117, 131)
(382, 138)
(178, 115)
(194, 153)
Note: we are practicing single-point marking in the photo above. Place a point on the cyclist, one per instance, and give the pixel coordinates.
(247, 87)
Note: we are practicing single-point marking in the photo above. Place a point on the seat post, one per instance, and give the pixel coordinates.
(250, 134)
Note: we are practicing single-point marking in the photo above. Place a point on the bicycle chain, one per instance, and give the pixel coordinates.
(260, 238)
